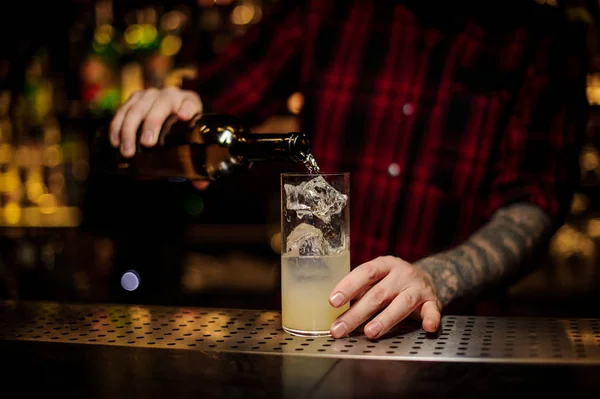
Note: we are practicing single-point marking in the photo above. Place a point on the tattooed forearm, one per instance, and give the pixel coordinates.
(493, 252)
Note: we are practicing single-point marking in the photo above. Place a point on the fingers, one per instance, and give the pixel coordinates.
(399, 309)
(354, 283)
(184, 104)
(136, 113)
(150, 108)
(117, 121)
(431, 316)
(160, 111)
(372, 301)
(190, 106)
(390, 287)
(362, 293)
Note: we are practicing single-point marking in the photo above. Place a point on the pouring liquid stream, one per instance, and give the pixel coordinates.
(311, 164)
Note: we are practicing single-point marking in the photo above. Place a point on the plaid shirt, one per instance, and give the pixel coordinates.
(441, 116)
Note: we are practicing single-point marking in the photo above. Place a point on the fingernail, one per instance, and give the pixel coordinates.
(114, 141)
(337, 299)
(374, 329)
(339, 329)
(431, 322)
(147, 136)
(126, 148)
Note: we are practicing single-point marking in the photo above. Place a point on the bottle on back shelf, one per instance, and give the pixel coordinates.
(208, 147)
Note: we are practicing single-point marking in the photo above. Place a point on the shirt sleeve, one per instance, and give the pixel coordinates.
(537, 157)
(256, 74)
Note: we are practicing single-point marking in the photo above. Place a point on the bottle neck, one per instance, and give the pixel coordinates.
(272, 146)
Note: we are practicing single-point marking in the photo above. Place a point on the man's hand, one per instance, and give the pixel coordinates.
(150, 108)
(390, 285)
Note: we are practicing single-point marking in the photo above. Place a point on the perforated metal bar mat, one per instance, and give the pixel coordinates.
(461, 338)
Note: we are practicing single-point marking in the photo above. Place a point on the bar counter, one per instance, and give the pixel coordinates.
(110, 351)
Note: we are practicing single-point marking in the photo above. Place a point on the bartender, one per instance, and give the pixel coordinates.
(460, 128)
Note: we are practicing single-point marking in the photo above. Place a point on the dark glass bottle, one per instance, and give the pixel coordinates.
(208, 147)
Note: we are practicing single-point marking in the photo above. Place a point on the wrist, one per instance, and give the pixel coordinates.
(442, 276)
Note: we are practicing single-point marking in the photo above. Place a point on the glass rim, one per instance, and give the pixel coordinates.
(296, 174)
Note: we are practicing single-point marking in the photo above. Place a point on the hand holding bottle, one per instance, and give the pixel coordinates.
(164, 133)
(150, 108)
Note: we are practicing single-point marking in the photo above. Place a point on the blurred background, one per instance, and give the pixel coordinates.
(67, 235)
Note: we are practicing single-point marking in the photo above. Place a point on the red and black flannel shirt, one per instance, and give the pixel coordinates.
(442, 116)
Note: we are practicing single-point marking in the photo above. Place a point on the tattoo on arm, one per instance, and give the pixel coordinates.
(496, 250)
